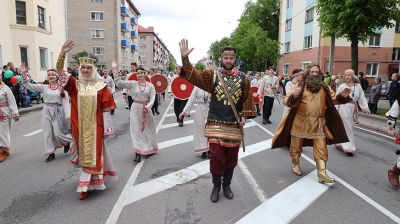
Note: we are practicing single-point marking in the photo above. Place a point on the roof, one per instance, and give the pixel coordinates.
(144, 30)
(134, 8)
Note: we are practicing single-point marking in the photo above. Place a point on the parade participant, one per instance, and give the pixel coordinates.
(154, 108)
(307, 124)
(178, 103)
(107, 79)
(8, 111)
(392, 114)
(142, 126)
(224, 127)
(200, 118)
(256, 83)
(127, 92)
(55, 113)
(348, 112)
(268, 87)
(294, 79)
(90, 97)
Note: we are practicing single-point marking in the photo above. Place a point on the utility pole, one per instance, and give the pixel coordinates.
(331, 54)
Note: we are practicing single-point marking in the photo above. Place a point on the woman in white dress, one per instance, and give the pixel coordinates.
(349, 111)
(200, 118)
(142, 126)
(8, 111)
(55, 114)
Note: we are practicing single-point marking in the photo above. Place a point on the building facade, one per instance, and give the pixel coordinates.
(152, 51)
(32, 33)
(302, 44)
(106, 29)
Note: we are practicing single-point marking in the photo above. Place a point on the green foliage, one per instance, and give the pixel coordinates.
(78, 55)
(171, 63)
(216, 47)
(200, 66)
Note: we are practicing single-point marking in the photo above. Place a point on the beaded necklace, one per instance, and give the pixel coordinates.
(145, 85)
(53, 87)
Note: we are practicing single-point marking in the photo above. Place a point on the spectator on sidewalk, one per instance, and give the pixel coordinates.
(363, 81)
(374, 95)
(394, 88)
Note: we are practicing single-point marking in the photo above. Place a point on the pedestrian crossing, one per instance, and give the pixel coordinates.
(283, 207)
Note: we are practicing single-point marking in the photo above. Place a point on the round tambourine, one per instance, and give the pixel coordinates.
(160, 83)
(181, 88)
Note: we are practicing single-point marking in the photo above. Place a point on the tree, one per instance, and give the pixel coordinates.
(171, 63)
(78, 55)
(200, 66)
(356, 20)
(217, 46)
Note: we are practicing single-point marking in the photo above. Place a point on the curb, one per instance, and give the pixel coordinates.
(374, 116)
(374, 127)
(27, 110)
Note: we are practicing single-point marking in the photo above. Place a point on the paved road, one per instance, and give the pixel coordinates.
(173, 186)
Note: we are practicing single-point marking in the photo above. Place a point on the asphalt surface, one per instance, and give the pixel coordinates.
(33, 191)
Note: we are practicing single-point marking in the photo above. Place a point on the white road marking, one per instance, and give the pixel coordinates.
(143, 190)
(33, 133)
(376, 133)
(173, 114)
(252, 181)
(119, 205)
(164, 126)
(175, 141)
(287, 204)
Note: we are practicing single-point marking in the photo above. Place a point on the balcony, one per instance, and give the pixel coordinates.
(134, 21)
(133, 34)
(125, 43)
(124, 11)
(125, 27)
(133, 48)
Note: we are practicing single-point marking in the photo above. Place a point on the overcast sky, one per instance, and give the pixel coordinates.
(200, 21)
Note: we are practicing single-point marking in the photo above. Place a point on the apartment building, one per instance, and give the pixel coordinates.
(32, 33)
(106, 29)
(302, 43)
(152, 51)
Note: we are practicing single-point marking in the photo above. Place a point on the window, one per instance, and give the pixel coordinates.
(397, 28)
(98, 50)
(144, 63)
(396, 54)
(304, 65)
(101, 66)
(287, 47)
(20, 12)
(43, 58)
(96, 16)
(97, 33)
(143, 37)
(372, 69)
(375, 40)
(289, 3)
(307, 42)
(310, 15)
(143, 46)
(96, 1)
(285, 69)
(24, 55)
(41, 18)
(288, 25)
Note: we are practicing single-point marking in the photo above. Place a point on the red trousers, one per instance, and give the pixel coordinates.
(222, 158)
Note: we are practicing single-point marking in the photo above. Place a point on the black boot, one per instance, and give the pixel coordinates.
(51, 157)
(66, 148)
(180, 122)
(137, 158)
(152, 110)
(226, 184)
(204, 155)
(216, 189)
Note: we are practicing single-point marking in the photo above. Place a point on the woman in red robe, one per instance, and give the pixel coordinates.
(90, 97)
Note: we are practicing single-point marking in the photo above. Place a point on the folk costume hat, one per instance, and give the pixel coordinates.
(85, 61)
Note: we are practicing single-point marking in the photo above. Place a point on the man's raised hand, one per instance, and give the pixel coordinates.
(184, 47)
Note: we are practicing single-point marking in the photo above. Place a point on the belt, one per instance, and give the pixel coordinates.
(141, 102)
(4, 104)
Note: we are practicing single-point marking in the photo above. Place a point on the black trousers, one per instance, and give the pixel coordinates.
(267, 107)
(258, 108)
(179, 105)
(130, 101)
(155, 104)
(373, 107)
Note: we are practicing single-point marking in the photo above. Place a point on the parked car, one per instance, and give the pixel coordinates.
(385, 88)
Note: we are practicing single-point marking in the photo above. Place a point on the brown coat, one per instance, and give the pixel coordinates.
(282, 137)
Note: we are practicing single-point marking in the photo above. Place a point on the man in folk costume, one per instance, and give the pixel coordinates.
(90, 98)
(127, 92)
(225, 121)
(393, 114)
(107, 79)
(312, 121)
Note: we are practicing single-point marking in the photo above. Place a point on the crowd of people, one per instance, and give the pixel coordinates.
(320, 110)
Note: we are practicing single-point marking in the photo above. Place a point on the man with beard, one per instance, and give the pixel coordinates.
(312, 121)
(128, 92)
(222, 128)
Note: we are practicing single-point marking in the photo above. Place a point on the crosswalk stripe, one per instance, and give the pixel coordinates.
(287, 204)
(164, 126)
(33, 133)
(175, 141)
(143, 190)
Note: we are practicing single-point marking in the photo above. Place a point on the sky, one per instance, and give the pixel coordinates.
(200, 21)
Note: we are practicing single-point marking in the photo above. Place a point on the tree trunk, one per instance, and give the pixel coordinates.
(354, 53)
(331, 55)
